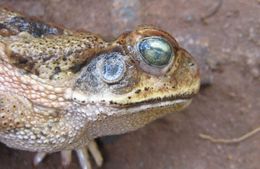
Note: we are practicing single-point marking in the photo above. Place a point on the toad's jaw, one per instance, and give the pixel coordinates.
(173, 105)
(172, 102)
(154, 101)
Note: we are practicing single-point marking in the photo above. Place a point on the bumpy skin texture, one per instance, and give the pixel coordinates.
(53, 97)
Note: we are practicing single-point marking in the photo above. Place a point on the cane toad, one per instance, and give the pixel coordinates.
(60, 89)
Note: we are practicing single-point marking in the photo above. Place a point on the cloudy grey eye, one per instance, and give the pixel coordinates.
(156, 51)
(113, 68)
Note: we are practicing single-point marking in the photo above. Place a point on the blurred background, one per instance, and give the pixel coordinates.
(224, 36)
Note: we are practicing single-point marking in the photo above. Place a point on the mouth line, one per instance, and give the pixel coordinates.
(158, 105)
(156, 101)
(176, 105)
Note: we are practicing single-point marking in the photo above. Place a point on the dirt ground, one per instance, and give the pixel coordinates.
(223, 36)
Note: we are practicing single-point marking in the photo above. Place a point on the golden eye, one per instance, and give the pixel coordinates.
(156, 51)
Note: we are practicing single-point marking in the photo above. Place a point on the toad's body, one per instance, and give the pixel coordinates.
(60, 89)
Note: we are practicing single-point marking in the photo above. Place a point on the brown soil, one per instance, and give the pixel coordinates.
(224, 37)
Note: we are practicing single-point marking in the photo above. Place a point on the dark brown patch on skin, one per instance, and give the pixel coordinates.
(138, 91)
(14, 23)
(35, 28)
(24, 63)
(57, 70)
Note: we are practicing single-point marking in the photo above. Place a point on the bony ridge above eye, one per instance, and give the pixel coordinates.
(155, 51)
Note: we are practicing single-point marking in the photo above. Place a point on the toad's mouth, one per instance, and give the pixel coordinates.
(172, 102)
(156, 101)
(169, 105)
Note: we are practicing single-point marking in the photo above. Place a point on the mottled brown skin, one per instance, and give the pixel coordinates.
(52, 97)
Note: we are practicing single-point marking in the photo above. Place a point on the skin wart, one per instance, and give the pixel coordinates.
(61, 89)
